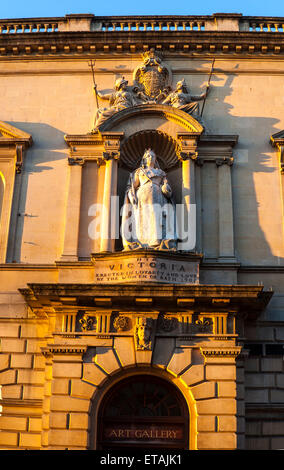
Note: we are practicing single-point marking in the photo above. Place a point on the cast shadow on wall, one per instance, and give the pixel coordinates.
(250, 157)
(48, 147)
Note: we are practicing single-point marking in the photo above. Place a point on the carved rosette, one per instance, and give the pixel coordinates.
(121, 323)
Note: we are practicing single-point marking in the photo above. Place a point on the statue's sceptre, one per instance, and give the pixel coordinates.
(91, 63)
(209, 79)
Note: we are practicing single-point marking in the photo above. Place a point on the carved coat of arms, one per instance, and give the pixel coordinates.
(153, 78)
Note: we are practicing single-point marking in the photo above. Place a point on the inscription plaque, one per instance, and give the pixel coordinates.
(145, 268)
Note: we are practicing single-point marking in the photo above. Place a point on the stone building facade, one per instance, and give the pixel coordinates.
(108, 348)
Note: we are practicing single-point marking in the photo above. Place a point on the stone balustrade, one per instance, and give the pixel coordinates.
(89, 22)
(27, 26)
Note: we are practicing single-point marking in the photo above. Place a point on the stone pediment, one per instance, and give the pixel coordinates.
(13, 142)
(277, 141)
(13, 134)
(277, 138)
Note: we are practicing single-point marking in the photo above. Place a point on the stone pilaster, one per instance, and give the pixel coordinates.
(72, 221)
(226, 227)
(110, 156)
(188, 156)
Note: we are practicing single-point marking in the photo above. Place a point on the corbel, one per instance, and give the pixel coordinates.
(76, 161)
(188, 146)
(19, 158)
(224, 161)
(111, 144)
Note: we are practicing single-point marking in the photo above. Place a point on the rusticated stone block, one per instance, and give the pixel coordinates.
(217, 406)
(260, 380)
(273, 427)
(65, 403)
(58, 420)
(81, 389)
(216, 440)
(67, 369)
(124, 348)
(4, 361)
(252, 364)
(9, 330)
(277, 443)
(273, 364)
(220, 372)
(31, 377)
(256, 396)
(227, 389)
(106, 359)
(12, 345)
(92, 374)
(12, 391)
(206, 423)
(79, 421)
(163, 351)
(35, 424)
(60, 386)
(38, 362)
(257, 443)
(68, 438)
(227, 423)
(193, 375)
(21, 361)
(204, 390)
(280, 380)
(33, 392)
(8, 438)
(8, 377)
(13, 423)
(181, 359)
(143, 357)
(277, 396)
(30, 440)
(34, 330)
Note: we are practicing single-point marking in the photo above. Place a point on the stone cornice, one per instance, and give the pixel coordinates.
(217, 351)
(86, 34)
(50, 350)
(247, 300)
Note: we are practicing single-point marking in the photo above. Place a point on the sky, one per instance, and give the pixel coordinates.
(40, 8)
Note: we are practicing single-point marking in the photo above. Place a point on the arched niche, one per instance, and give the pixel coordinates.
(167, 150)
(156, 127)
(117, 146)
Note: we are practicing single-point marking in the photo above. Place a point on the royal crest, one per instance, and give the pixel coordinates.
(153, 78)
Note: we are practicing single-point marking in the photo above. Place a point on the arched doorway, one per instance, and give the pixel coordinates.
(143, 411)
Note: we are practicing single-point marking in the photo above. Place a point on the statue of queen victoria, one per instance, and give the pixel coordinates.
(148, 218)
